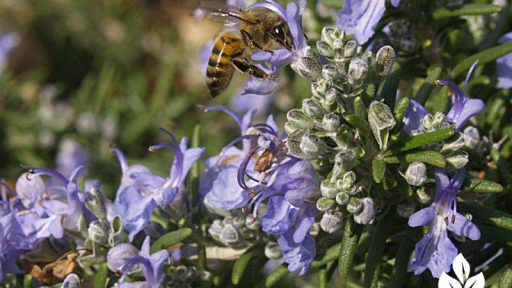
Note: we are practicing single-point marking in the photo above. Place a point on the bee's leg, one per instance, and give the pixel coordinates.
(246, 67)
(249, 42)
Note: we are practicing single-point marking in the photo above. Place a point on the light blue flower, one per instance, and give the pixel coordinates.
(504, 66)
(436, 251)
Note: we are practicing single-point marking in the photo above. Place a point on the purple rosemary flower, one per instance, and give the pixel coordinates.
(360, 17)
(504, 65)
(219, 185)
(152, 266)
(287, 183)
(141, 191)
(436, 251)
(7, 42)
(462, 108)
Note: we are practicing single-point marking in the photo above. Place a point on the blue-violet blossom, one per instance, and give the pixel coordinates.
(504, 65)
(436, 251)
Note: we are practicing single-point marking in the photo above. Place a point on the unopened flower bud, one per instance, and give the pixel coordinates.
(458, 159)
(119, 256)
(328, 189)
(350, 49)
(357, 71)
(344, 161)
(98, 231)
(299, 119)
(416, 174)
(312, 108)
(367, 213)
(312, 146)
(239, 221)
(272, 251)
(385, 57)
(116, 235)
(331, 96)
(424, 195)
(406, 208)
(320, 87)
(338, 45)
(71, 281)
(294, 148)
(229, 235)
(331, 122)
(342, 198)
(308, 66)
(95, 202)
(331, 72)
(354, 206)
(252, 223)
(381, 121)
(331, 221)
(471, 137)
(325, 49)
(216, 229)
(455, 145)
(329, 34)
(346, 184)
(323, 204)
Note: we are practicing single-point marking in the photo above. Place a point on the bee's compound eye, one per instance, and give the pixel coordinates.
(278, 31)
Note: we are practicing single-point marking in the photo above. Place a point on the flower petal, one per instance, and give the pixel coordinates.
(423, 217)
(413, 119)
(471, 108)
(360, 17)
(463, 227)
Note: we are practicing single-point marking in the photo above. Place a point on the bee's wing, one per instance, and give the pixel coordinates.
(228, 15)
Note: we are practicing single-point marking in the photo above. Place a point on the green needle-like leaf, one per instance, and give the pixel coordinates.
(276, 275)
(348, 247)
(321, 278)
(420, 140)
(379, 169)
(481, 186)
(469, 9)
(400, 109)
(483, 57)
(430, 157)
(239, 267)
(375, 252)
(170, 239)
(489, 215)
(330, 255)
(100, 279)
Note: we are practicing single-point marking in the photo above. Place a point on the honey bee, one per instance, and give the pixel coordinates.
(260, 29)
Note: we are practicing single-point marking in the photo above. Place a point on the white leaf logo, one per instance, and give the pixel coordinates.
(462, 269)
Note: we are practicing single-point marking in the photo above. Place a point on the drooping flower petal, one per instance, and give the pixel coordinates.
(360, 17)
(504, 66)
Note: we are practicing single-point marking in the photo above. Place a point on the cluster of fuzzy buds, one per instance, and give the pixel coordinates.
(238, 231)
(185, 276)
(319, 131)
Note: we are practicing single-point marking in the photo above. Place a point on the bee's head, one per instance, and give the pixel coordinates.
(281, 34)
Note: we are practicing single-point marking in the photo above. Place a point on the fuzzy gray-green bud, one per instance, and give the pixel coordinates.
(98, 231)
(344, 161)
(385, 57)
(331, 96)
(424, 195)
(331, 122)
(229, 235)
(308, 66)
(416, 174)
(332, 221)
(312, 108)
(325, 49)
(458, 159)
(346, 184)
(342, 198)
(331, 72)
(381, 121)
(354, 206)
(299, 119)
(323, 204)
(329, 34)
(406, 208)
(367, 214)
(328, 189)
(471, 137)
(252, 223)
(357, 71)
(294, 148)
(350, 49)
(320, 87)
(95, 202)
(272, 251)
(312, 145)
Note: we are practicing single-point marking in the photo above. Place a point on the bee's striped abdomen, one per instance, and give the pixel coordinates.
(220, 69)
